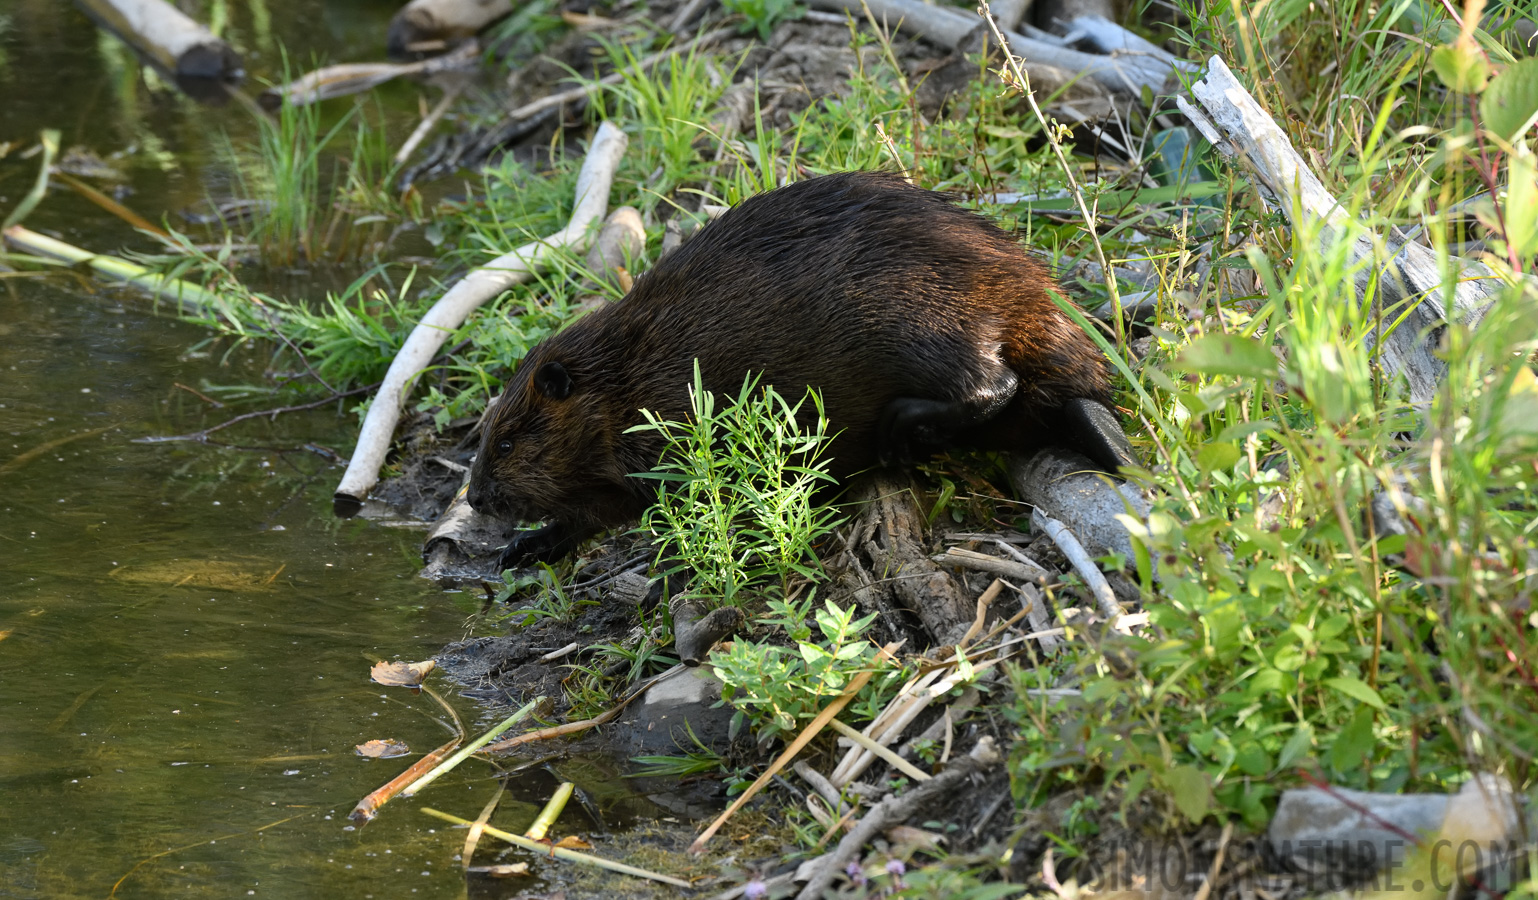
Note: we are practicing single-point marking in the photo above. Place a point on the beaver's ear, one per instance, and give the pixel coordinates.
(552, 380)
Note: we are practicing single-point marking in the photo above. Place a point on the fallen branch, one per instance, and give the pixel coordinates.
(948, 27)
(1072, 489)
(423, 25)
(465, 752)
(419, 133)
(189, 298)
(169, 38)
(541, 734)
(1411, 290)
(552, 811)
(368, 807)
(485, 283)
(962, 558)
(202, 436)
(895, 811)
(545, 849)
(886, 755)
(1094, 579)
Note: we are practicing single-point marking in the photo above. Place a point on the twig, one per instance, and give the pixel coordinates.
(419, 133)
(886, 754)
(198, 394)
(479, 826)
(368, 807)
(1105, 598)
(552, 811)
(202, 436)
(534, 108)
(983, 601)
(805, 737)
(190, 299)
(894, 811)
(561, 852)
(22, 459)
(982, 562)
(592, 200)
(472, 747)
(541, 734)
(1205, 891)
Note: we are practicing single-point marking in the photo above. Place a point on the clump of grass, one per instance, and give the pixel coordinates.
(737, 501)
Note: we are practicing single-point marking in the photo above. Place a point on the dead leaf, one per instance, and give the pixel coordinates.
(405, 674)
(572, 842)
(382, 749)
(505, 870)
(906, 838)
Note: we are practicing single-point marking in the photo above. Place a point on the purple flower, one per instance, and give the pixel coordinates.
(895, 867)
(755, 890)
(854, 873)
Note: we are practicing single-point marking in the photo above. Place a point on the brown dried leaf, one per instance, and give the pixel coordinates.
(905, 839)
(382, 749)
(572, 842)
(406, 674)
(505, 870)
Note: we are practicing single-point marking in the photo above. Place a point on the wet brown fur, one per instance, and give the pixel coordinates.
(857, 284)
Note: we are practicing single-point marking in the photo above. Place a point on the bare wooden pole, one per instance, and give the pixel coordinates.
(167, 37)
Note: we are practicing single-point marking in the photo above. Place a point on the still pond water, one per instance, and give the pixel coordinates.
(185, 630)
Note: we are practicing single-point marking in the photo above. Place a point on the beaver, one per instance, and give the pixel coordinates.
(921, 324)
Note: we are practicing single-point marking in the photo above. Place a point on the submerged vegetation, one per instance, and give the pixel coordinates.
(1340, 578)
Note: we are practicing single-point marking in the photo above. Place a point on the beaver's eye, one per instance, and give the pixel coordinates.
(505, 447)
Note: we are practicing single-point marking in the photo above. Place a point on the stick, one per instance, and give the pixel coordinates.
(1105, 598)
(478, 826)
(419, 133)
(368, 807)
(472, 747)
(530, 737)
(802, 739)
(947, 27)
(895, 811)
(485, 283)
(189, 298)
(561, 852)
(886, 754)
(168, 37)
(552, 811)
(962, 558)
(1411, 289)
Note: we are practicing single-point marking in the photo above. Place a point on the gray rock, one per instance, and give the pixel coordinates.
(660, 722)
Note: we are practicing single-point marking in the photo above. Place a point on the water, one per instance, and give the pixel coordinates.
(185, 630)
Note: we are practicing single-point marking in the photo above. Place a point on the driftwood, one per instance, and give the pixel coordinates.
(1410, 283)
(345, 79)
(887, 566)
(947, 27)
(697, 628)
(424, 26)
(485, 283)
(170, 39)
(1070, 488)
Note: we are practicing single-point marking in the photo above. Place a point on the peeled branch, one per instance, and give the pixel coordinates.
(475, 289)
(170, 39)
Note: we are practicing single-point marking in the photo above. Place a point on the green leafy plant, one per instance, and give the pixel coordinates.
(777, 688)
(551, 601)
(763, 15)
(738, 494)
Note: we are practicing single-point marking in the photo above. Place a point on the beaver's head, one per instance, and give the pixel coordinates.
(548, 448)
